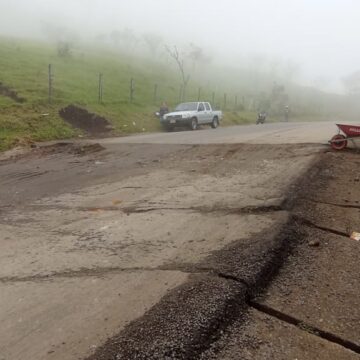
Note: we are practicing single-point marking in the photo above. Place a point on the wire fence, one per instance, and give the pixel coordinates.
(157, 93)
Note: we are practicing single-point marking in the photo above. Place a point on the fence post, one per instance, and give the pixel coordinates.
(213, 99)
(50, 74)
(155, 93)
(236, 102)
(132, 90)
(181, 94)
(199, 94)
(100, 95)
(225, 101)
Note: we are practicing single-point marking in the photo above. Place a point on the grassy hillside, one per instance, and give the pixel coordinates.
(24, 68)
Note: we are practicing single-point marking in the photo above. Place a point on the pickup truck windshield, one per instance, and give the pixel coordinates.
(187, 107)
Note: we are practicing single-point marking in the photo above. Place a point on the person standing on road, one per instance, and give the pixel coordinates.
(164, 109)
(286, 113)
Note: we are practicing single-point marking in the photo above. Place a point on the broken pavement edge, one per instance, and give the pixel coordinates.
(191, 317)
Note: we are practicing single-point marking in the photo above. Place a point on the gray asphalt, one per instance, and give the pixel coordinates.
(272, 133)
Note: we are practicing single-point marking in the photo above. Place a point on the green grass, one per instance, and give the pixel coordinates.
(24, 68)
(25, 124)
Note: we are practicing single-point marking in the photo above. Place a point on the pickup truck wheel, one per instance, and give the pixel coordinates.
(194, 124)
(215, 123)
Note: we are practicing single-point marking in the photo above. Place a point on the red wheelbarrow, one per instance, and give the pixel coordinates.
(340, 141)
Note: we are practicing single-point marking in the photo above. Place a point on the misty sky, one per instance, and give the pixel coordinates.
(320, 35)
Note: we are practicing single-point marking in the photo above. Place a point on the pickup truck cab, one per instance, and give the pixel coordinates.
(192, 114)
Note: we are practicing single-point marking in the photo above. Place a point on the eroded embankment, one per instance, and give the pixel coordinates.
(80, 118)
(189, 319)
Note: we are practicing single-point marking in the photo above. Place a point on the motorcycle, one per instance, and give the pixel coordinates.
(261, 118)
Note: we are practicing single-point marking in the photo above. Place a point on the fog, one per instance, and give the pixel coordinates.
(317, 38)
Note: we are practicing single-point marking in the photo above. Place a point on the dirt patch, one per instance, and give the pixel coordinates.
(82, 119)
(34, 151)
(69, 148)
(6, 91)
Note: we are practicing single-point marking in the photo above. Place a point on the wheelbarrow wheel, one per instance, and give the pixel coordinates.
(338, 142)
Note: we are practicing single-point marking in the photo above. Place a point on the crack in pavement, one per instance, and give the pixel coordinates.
(207, 210)
(346, 206)
(101, 271)
(198, 269)
(132, 339)
(236, 279)
(252, 209)
(76, 273)
(305, 326)
(306, 222)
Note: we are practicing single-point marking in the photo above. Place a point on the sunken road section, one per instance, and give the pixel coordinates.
(150, 249)
(193, 317)
(310, 310)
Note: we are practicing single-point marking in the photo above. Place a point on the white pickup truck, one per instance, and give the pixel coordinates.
(192, 114)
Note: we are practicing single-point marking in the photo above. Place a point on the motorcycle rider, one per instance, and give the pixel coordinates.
(261, 117)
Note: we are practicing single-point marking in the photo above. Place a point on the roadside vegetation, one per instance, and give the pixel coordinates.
(29, 115)
(24, 69)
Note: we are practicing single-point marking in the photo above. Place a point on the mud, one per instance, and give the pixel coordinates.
(80, 149)
(80, 118)
(12, 94)
(44, 150)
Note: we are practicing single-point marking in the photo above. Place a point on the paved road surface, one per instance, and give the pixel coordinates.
(90, 242)
(274, 133)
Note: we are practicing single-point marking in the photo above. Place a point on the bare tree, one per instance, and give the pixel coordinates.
(153, 41)
(291, 71)
(65, 38)
(174, 53)
(115, 37)
(352, 83)
(197, 56)
(129, 40)
(64, 49)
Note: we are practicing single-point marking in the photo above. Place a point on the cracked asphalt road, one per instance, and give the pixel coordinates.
(91, 241)
(311, 309)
